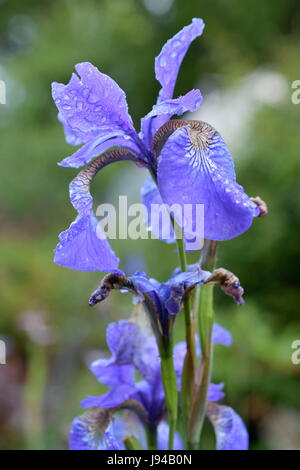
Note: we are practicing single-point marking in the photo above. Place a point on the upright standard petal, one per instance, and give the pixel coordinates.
(81, 248)
(168, 62)
(164, 110)
(196, 168)
(92, 105)
(230, 431)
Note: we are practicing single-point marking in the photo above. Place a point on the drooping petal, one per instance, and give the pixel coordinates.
(163, 435)
(80, 195)
(97, 146)
(221, 336)
(164, 110)
(92, 105)
(168, 62)
(97, 429)
(230, 431)
(89, 431)
(195, 168)
(83, 247)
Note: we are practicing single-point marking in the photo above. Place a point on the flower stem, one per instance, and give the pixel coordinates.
(151, 437)
(170, 388)
(205, 324)
(188, 373)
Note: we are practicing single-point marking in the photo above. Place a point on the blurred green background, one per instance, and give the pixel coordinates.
(244, 64)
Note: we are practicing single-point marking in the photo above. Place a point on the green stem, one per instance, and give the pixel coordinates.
(170, 388)
(151, 437)
(205, 325)
(188, 373)
(206, 319)
(188, 315)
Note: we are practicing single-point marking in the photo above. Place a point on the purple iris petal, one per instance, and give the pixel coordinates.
(162, 437)
(196, 168)
(215, 392)
(70, 137)
(121, 339)
(84, 248)
(108, 373)
(159, 221)
(118, 395)
(221, 336)
(168, 62)
(230, 431)
(97, 146)
(89, 432)
(151, 395)
(91, 105)
(131, 348)
(164, 110)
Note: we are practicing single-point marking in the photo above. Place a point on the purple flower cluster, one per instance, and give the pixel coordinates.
(134, 350)
(188, 161)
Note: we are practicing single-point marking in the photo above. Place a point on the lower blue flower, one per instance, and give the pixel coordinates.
(134, 351)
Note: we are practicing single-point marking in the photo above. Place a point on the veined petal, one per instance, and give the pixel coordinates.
(97, 146)
(80, 195)
(230, 431)
(97, 429)
(88, 431)
(164, 110)
(168, 62)
(195, 167)
(82, 248)
(92, 105)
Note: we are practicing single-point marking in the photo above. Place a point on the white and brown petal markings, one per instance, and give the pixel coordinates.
(200, 134)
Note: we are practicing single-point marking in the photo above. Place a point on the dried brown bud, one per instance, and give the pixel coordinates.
(228, 282)
(263, 208)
